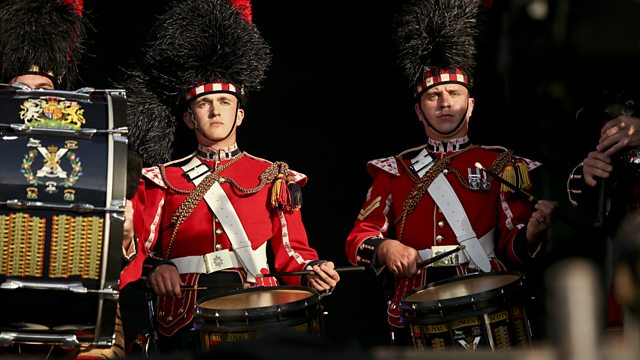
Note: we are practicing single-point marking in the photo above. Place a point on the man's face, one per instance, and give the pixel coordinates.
(444, 106)
(34, 81)
(214, 115)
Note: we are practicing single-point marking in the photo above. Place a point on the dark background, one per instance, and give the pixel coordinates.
(335, 99)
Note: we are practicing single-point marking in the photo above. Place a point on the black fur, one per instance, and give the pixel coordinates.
(437, 33)
(197, 41)
(46, 33)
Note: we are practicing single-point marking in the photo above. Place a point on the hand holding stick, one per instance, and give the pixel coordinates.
(211, 287)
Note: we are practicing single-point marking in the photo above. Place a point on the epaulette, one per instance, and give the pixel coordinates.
(390, 164)
(285, 191)
(511, 168)
(154, 173)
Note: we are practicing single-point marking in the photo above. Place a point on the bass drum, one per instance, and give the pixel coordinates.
(63, 176)
(474, 311)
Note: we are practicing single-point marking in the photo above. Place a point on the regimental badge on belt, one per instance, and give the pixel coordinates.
(478, 179)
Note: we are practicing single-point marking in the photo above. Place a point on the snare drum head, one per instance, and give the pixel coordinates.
(252, 299)
(474, 290)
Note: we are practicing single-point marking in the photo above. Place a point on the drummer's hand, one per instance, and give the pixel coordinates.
(325, 277)
(165, 281)
(541, 220)
(127, 235)
(399, 258)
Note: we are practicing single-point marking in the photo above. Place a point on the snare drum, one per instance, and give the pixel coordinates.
(474, 311)
(252, 312)
(63, 176)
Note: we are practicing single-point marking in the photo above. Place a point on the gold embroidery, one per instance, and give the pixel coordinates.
(76, 246)
(366, 211)
(21, 245)
(420, 188)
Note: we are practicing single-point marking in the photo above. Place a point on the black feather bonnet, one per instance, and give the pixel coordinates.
(197, 47)
(42, 37)
(436, 40)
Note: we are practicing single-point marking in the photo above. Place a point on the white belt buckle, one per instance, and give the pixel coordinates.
(217, 260)
(451, 260)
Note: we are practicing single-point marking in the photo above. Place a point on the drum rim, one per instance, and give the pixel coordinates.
(257, 312)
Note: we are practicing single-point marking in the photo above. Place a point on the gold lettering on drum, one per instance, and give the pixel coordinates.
(238, 336)
(503, 315)
(465, 322)
(437, 328)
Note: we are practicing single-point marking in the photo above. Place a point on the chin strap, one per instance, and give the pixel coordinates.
(448, 132)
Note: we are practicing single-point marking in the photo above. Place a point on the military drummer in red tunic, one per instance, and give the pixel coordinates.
(431, 198)
(209, 218)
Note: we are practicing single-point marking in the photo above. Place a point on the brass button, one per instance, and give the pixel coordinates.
(216, 220)
(218, 247)
(439, 238)
(219, 231)
(445, 171)
(441, 223)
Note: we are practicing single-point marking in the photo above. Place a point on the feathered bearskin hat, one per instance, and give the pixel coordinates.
(196, 48)
(436, 40)
(42, 37)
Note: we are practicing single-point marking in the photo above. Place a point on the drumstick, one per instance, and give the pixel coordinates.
(311, 272)
(210, 287)
(440, 256)
(561, 216)
(507, 183)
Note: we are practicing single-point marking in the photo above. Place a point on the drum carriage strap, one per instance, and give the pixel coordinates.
(433, 180)
(221, 206)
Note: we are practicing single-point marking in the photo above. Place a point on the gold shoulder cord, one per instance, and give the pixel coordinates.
(266, 177)
(423, 184)
(189, 204)
(501, 161)
(195, 196)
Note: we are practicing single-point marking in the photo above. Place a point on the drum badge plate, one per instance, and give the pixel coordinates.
(54, 164)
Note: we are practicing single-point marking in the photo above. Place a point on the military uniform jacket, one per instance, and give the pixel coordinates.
(156, 201)
(485, 204)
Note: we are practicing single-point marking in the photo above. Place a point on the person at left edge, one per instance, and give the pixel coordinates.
(41, 45)
(190, 93)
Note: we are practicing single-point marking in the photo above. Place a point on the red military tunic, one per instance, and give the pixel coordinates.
(487, 209)
(155, 203)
